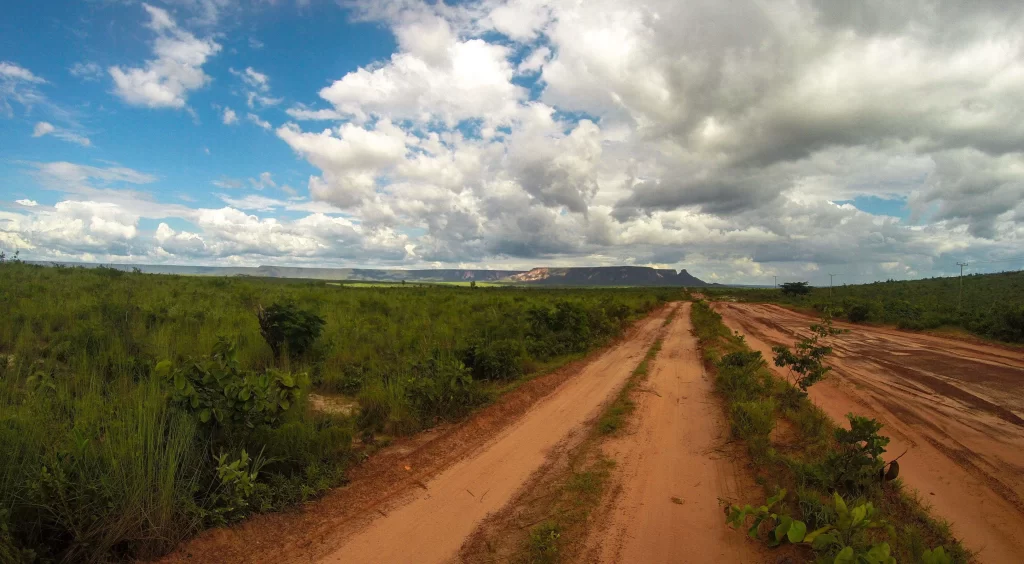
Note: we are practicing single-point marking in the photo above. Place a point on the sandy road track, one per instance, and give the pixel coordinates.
(958, 407)
(671, 468)
(454, 480)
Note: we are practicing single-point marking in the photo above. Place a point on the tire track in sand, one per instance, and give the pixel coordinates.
(954, 406)
(675, 448)
(437, 519)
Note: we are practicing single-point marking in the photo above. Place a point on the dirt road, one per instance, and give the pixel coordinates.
(671, 468)
(958, 407)
(381, 517)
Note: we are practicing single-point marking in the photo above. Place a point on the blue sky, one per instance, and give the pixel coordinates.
(764, 140)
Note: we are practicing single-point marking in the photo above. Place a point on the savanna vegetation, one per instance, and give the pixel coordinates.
(992, 304)
(138, 409)
(833, 492)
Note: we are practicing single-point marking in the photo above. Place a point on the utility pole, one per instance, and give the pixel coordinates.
(830, 275)
(960, 297)
(776, 282)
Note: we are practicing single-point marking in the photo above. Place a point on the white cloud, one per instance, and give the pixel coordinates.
(535, 61)
(164, 82)
(256, 120)
(88, 71)
(265, 180)
(27, 203)
(258, 88)
(42, 128)
(45, 128)
(19, 85)
(229, 117)
(12, 71)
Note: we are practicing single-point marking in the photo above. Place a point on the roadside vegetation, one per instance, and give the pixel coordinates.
(138, 409)
(832, 492)
(992, 305)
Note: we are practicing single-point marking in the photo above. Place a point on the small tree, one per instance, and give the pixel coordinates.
(285, 327)
(796, 288)
(472, 284)
(805, 363)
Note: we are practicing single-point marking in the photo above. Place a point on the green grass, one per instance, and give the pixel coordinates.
(993, 304)
(99, 465)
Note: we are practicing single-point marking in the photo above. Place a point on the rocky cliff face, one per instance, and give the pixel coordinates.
(607, 276)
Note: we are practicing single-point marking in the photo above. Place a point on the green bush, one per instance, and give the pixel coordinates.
(753, 421)
(218, 392)
(288, 329)
(497, 360)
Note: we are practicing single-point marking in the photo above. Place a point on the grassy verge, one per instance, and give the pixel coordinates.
(582, 489)
(797, 448)
(548, 522)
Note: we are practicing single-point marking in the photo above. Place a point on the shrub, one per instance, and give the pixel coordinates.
(858, 313)
(497, 360)
(856, 464)
(753, 421)
(805, 363)
(218, 392)
(286, 328)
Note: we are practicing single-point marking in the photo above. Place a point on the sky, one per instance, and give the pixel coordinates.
(742, 140)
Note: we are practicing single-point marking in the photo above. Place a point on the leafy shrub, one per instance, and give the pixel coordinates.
(219, 392)
(497, 360)
(444, 389)
(805, 363)
(856, 464)
(858, 313)
(236, 486)
(286, 328)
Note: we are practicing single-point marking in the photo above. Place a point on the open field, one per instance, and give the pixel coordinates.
(136, 410)
(955, 407)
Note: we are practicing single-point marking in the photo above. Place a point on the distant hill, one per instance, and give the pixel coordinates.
(573, 276)
(608, 276)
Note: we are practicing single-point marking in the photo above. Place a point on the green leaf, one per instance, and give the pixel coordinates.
(784, 524)
(797, 532)
(163, 368)
(179, 381)
(879, 552)
(195, 401)
(823, 541)
(204, 415)
(285, 404)
(245, 394)
(814, 534)
(840, 504)
(858, 514)
(845, 556)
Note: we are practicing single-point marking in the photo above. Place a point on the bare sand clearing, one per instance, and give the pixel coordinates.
(455, 477)
(957, 406)
(672, 466)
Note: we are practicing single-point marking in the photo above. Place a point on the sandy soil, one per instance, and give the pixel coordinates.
(956, 406)
(672, 467)
(419, 500)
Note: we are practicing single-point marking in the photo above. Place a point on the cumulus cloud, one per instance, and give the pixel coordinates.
(739, 140)
(229, 117)
(663, 132)
(165, 81)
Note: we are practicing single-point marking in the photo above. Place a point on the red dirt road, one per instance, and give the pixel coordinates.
(382, 518)
(958, 407)
(672, 466)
